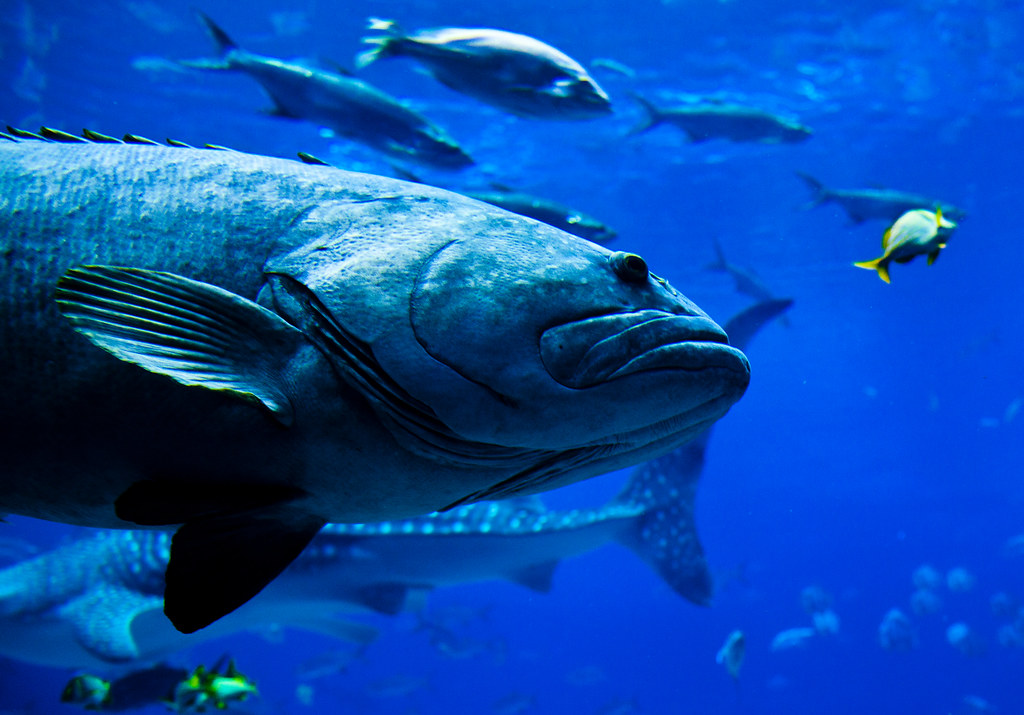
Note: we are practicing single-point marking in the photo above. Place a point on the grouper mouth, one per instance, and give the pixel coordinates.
(593, 351)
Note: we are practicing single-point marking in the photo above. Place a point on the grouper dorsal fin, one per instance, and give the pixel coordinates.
(193, 332)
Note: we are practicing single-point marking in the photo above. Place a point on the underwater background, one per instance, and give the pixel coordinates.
(882, 427)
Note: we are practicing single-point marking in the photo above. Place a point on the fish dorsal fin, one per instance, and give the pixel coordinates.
(102, 620)
(938, 217)
(885, 237)
(195, 333)
(59, 136)
(310, 159)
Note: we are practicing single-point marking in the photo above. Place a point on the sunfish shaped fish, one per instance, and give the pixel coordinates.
(97, 601)
(341, 347)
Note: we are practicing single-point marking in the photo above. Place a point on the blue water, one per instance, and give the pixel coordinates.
(878, 432)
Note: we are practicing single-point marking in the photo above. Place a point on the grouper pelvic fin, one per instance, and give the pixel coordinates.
(195, 333)
(219, 563)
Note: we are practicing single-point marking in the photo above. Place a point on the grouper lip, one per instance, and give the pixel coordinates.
(588, 352)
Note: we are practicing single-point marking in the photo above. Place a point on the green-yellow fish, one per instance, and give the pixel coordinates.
(915, 233)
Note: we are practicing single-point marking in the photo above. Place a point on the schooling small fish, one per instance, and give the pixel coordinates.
(519, 74)
(915, 233)
(705, 121)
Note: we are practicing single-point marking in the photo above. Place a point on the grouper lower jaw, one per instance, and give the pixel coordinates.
(589, 352)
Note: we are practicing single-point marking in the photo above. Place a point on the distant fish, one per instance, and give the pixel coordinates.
(550, 212)
(351, 107)
(706, 121)
(731, 654)
(519, 74)
(826, 622)
(896, 632)
(925, 576)
(884, 204)
(959, 580)
(965, 639)
(615, 66)
(792, 638)
(745, 279)
(916, 233)
(925, 602)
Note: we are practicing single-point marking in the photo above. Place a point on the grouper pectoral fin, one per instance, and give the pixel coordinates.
(102, 620)
(218, 563)
(193, 332)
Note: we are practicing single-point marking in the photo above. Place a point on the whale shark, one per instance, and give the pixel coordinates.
(97, 601)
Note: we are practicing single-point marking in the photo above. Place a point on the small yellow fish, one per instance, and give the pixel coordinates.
(915, 233)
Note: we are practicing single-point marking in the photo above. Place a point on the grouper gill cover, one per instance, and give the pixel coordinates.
(249, 347)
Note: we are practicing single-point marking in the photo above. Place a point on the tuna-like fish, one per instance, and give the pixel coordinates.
(99, 598)
(738, 123)
(514, 72)
(884, 204)
(550, 212)
(344, 348)
(351, 107)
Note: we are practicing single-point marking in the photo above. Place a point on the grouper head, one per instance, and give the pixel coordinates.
(499, 339)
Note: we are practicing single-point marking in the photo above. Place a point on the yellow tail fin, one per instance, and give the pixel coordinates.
(879, 264)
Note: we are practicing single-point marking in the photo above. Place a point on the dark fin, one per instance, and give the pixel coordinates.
(932, 256)
(8, 137)
(818, 190)
(22, 134)
(719, 264)
(652, 116)
(163, 503)
(175, 142)
(195, 333)
(217, 147)
(136, 139)
(404, 174)
(385, 598)
(310, 159)
(219, 37)
(100, 138)
(503, 188)
(743, 326)
(59, 136)
(280, 112)
(219, 563)
(538, 577)
(665, 534)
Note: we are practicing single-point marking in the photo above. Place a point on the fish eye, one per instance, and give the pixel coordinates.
(629, 267)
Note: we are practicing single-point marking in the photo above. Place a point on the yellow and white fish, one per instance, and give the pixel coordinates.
(917, 232)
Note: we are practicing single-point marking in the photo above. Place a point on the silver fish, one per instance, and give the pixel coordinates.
(351, 107)
(738, 123)
(513, 72)
(346, 348)
(884, 204)
(550, 212)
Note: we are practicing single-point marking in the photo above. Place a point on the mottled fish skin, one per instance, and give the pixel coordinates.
(513, 72)
(882, 204)
(550, 212)
(351, 107)
(404, 351)
(737, 123)
(99, 598)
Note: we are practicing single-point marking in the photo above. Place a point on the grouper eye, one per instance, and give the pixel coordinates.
(629, 267)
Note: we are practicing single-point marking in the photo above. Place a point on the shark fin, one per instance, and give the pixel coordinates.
(195, 333)
(536, 577)
(102, 620)
(220, 562)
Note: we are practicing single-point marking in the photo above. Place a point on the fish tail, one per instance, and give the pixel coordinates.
(820, 192)
(664, 533)
(719, 264)
(879, 264)
(381, 46)
(652, 116)
(222, 41)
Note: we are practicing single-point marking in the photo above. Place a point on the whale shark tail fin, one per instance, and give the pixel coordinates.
(665, 533)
